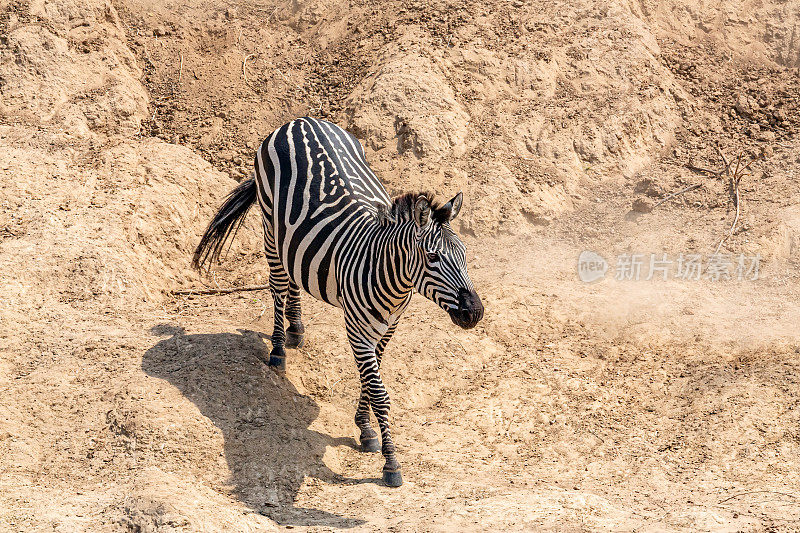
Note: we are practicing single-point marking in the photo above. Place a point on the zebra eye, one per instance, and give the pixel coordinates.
(433, 257)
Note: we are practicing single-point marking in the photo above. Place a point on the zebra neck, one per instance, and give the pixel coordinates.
(393, 251)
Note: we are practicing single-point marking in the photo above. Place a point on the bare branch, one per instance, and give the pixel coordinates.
(725, 162)
(701, 170)
(734, 179)
(757, 492)
(226, 290)
(678, 193)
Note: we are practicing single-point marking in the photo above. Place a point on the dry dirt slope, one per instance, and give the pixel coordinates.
(617, 406)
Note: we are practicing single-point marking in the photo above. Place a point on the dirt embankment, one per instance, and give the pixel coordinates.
(618, 405)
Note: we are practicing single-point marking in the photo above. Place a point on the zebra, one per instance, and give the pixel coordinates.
(331, 230)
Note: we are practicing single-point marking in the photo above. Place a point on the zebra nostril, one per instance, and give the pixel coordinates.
(478, 307)
(464, 299)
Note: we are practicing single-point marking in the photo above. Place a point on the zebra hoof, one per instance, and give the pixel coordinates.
(392, 478)
(370, 445)
(294, 340)
(277, 359)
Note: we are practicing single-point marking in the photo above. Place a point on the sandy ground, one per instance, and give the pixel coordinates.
(619, 405)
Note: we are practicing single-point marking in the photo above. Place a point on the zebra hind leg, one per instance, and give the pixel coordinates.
(295, 331)
(279, 286)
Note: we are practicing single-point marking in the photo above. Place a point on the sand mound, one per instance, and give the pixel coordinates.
(67, 64)
(408, 104)
(760, 31)
(120, 229)
(91, 216)
(538, 121)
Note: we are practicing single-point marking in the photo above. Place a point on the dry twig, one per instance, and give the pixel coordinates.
(226, 290)
(180, 70)
(678, 193)
(734, 179)
(724, 160)
(757, 492)
(701, 170)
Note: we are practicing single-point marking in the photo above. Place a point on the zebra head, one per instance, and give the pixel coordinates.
(439, 264)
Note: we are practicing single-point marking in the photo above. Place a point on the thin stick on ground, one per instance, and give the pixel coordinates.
(678, 193)
(180, 70)
(225, 290)
(701, 170)
(757, 492)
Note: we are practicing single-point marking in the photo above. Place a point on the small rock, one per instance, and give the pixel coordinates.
(642, 205)
(160, 31)
(612, 143)
(585, 150)
(766, 135)
(745, 105)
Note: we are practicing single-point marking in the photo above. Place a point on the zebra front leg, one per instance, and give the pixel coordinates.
(380, 406)
(295, 331)
(369, 439)
(379, 401)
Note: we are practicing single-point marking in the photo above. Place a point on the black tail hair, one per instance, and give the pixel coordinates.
(226, 223)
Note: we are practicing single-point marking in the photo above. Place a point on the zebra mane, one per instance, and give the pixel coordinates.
(402, 209)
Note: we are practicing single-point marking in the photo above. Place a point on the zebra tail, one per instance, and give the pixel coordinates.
(225, 224)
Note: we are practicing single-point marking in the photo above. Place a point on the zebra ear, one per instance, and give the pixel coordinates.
(422, 212)
(455, 205)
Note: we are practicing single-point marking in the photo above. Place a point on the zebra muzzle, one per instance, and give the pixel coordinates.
(469, 311)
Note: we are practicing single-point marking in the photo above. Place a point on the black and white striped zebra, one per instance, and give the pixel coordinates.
(331, 230)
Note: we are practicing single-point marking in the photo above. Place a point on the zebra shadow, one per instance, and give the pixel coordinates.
(264, 420)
